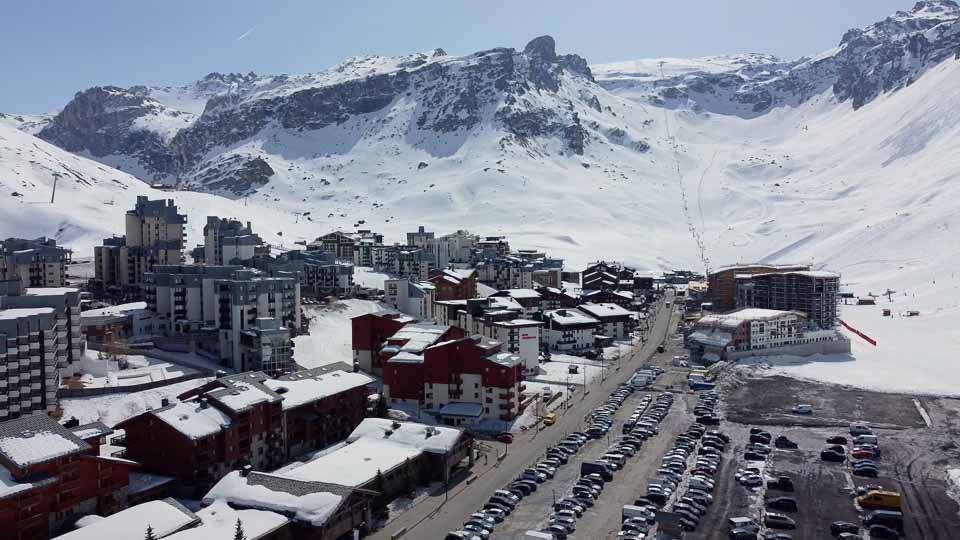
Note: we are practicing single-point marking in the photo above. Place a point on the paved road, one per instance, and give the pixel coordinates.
(436, 516)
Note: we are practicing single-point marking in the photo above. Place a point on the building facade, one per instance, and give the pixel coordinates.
(212, 306)
(50, 477)
(615, 321)
(154, 235)
(415, 298)
(228, 241)
(721, 282)
(40, 343)
(36, 263)
(812, 292)
(569, 330)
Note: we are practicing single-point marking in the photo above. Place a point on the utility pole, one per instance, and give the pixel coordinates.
(54, 193)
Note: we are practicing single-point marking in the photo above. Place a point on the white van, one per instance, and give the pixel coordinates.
(619, 459)
(865, 439)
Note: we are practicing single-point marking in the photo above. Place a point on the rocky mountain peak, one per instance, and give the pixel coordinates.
(542, 48)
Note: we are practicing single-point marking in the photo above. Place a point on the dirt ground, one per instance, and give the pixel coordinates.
(914, 462)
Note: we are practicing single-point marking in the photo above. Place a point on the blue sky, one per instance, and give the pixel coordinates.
(51, 49)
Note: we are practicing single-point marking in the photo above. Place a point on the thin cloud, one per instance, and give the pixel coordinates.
(247, 33)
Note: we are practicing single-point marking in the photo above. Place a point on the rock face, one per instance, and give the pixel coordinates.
(868, 62)
(198, 146)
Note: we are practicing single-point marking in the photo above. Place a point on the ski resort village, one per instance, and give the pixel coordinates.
(500, 295)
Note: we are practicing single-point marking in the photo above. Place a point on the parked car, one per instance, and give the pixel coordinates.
(838, 527)
(832, 455)
(781, 483)
(860, 429)
(837, 440)
(882, 532)
(803, 408)
(784, 442)
(505, 437)
(779, 521)
(785, 504)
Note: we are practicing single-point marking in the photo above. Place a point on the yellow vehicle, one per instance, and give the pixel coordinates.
(550, 419)
(880, 499)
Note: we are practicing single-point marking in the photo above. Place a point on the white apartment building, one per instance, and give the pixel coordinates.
(615, 321)
(212, 306)
(415, 298)
(569, 330)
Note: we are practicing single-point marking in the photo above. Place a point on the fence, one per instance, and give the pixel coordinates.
(104, 390)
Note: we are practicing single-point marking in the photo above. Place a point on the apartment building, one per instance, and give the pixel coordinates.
(415, 298)
(554, 298)
(228, 241)
(615, 321)
(454, 284)
(369, 332)
(154, 235)
(756, 331)
(721, 282)
(812, 292)
(503, 319)
(245, 419)
(40, 342)
(210, 307)
(319, 273)
(569, 330)
(529, 299)
(36, 263)
(473, 375)
(49, 477)
(343, 245)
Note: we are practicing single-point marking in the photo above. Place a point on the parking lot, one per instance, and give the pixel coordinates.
(913, 462)
(603, 519)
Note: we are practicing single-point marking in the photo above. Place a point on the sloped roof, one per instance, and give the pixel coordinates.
(37, 438)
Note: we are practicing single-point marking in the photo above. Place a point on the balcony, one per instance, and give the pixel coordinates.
(506, 395)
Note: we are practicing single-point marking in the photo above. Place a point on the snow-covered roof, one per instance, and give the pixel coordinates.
(505, 359)
(520, 293)
(219, 521)
(419, 336)
(458, 408)
(112, 311)
(435, 439)
(604, 310)
(164, 517)
(49, 291)
(711, 337)
(17, 313)
(405, 357)
(141, 481)
(568, 316)
(192, 419)
(10, 487)
(89, 431)
(734, 319)
(485, 290)
(505, 302)
(310, 502)
(518, 322)
(37, 438)
(243, 395)
(356, 463)
(300, 391)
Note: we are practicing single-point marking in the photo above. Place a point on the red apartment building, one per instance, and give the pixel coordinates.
(245, 419)
(369, 332)
(462, 378)
(49, 476)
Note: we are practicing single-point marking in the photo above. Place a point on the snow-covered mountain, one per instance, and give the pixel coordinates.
(868, 62)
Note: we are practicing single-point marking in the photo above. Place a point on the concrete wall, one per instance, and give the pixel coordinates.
(806, 349)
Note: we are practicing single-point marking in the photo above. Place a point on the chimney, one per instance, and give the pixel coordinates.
(245, 471)
(204, 403)
(164, 402)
